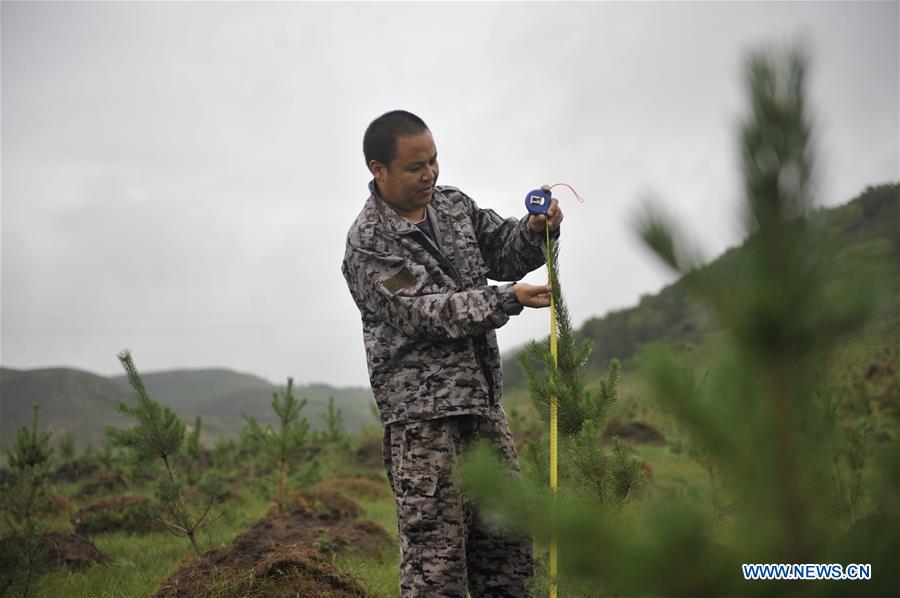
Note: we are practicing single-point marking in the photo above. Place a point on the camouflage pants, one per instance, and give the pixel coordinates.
(446, 549)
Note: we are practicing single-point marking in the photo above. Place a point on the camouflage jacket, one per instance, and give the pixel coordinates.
(428, 313)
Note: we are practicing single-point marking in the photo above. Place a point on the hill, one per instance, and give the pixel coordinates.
(84, 403)
(191, 387)
(70, 401)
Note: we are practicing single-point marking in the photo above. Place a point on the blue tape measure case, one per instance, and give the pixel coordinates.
(537, 201)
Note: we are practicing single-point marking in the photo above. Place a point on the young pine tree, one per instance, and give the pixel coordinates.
(194, 452)
(160, 434)
(66, 447)
(333, 434)
(597, 473)
(29, 460)
(286, 446)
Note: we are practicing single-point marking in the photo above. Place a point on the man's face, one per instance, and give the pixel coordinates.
(407, 183)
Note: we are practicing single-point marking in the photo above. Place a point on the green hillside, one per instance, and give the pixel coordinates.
(867, 232)
(70, 400)
(190, 387)
(84, 403)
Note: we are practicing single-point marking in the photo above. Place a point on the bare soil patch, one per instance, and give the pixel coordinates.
(53, 504)
(369, 453)
(125, 512)
(72, 471)
(635, 431)
(355, 487)
(878, 369)
(59, 550)
(287, 552)
(276, 571)
(105, 484)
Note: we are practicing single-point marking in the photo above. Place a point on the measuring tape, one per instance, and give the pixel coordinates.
(554, 415)
(538, 201)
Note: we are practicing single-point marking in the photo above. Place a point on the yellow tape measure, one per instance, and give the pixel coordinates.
(554, 405)
(554, 556)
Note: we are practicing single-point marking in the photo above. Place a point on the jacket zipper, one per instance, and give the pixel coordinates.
(479, 343)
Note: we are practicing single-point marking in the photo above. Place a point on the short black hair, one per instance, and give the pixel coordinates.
(380, 140)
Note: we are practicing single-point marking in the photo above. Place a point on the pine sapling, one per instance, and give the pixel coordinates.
(285, 446)
(333, 434)
(585, 464)
(107, 455)
(160, 434)
(66, 447)
(29, 461)
(194, 451)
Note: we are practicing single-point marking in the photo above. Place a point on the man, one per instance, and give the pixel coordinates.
(417, 261)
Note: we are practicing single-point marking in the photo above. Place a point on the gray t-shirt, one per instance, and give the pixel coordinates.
(425, 227)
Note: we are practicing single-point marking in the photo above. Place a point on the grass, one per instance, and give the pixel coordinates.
(141, 562)
(379, 574)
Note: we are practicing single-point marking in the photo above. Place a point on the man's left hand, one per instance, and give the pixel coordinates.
(537, 222)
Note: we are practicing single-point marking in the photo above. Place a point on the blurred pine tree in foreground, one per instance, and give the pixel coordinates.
(804, 481)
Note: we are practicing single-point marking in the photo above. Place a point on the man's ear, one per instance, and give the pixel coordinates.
(378, 170)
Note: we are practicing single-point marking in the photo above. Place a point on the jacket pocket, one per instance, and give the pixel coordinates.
(419, 484)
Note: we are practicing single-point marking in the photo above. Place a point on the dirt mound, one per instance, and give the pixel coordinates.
(279, 571)
(72, 471)
(369, 453)
(320, 504)
(57, 550)
(105, 484)
(635, 431)
(71, 550)
(357, 487)
(323, 520)
(125, 512)
(287, 552)
(877, 370)
(192, 495)
(53, 504)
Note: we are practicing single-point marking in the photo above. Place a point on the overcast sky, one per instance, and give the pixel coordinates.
(179, 178)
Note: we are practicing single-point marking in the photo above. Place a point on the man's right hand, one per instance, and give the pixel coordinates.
(532, 295)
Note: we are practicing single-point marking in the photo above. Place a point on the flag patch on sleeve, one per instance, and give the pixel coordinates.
(403, 279)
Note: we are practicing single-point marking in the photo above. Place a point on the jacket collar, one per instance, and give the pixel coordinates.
(389, 217)
(438, 217)
(394, 222)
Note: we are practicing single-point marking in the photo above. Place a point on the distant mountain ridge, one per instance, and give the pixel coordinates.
(84, 403)
(196, 385)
